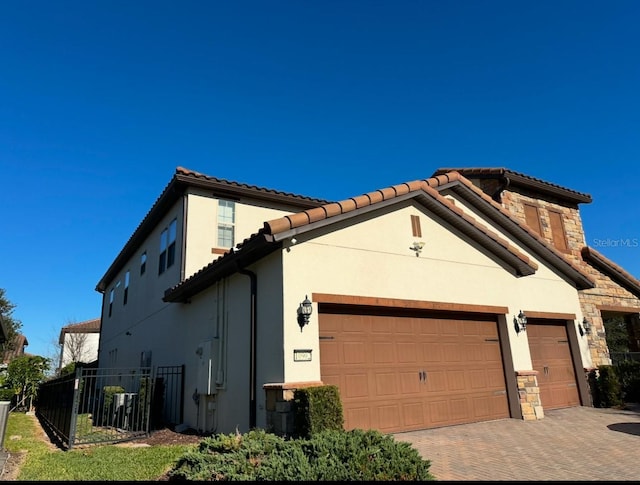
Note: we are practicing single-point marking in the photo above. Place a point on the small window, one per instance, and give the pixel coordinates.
(415, 226)
(143, 263)
(162, 261)
(558, 233)
(532, 218)
(171, 250)
(126, 287)
(167, 247)
(111, 295)
(226, 223)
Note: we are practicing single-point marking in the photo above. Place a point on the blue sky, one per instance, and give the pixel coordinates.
(100, 101)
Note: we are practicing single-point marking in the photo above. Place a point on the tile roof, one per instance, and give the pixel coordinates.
(229, 262)
(521, 179)
(550, 253)
(611, 269)
(88, 326)
(292, 221)
(19, 343)
(289, 222)
(181, 181)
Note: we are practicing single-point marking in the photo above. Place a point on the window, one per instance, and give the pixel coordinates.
(113, 357)
(558, 233)
(415, 226)
(532, 218)
(143, 263)
(111, 293)
(167, 247)
(226, 223)
(126, 287)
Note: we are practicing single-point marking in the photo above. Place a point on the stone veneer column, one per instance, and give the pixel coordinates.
(529, 393)
(279, 401)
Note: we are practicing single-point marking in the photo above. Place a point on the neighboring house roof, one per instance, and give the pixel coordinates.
(88, 326)
(511, 177)
(182, 180)
(423, 191)
(611, 269)
(20, 342)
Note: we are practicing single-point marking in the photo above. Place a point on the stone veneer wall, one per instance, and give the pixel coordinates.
(606, 293)
(529, 394)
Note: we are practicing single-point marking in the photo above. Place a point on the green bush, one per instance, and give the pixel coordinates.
(317, 409)
(608, 392)
(328, 455)
(7, 394)
(628, 372)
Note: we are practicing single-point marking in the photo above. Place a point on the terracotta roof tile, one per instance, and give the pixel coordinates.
(611, 269)
(347, 205)
(317, 214)
(361, 201)
(519, 177)
(298, 219)
(388, 193)
(332, 209)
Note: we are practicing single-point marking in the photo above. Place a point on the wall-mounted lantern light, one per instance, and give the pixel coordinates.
(520, 322)
(585, 327)
(304, 312)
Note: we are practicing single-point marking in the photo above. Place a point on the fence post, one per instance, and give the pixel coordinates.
(4, 417)
(74, 409)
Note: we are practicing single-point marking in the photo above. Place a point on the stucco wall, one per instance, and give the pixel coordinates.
(372, 258)
(83, 346)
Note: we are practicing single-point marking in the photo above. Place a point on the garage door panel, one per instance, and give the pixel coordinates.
(357, 385)
(455, 380)
(354, 353)
(412, 414)
(453, 352)
(383, 352)
(432, 352)
(407, 352)
(410, 383)
(551, 357)
(386, 384)
(437, 381)
(413, 373)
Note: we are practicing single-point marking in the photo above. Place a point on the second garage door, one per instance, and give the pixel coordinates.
(402, 373)
(551, 357)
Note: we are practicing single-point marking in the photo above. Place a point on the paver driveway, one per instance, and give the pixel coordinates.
(580, 443)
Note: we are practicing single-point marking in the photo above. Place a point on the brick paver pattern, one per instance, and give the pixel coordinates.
(580, 443)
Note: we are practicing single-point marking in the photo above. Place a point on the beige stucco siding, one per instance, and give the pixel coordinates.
(144, 304)
(202, 227)
(371, 258)
(79, 347)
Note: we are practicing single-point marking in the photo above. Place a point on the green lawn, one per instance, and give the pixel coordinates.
(99, 462)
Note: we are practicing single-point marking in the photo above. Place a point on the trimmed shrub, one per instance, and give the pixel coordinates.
(328, 455)
(364, 455)
(7, 394)
(608, 391)
(628, 372)
(317, 409)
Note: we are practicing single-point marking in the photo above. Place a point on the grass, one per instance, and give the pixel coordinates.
(99, 462)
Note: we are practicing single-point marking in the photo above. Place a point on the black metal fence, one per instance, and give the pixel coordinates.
(97, 405)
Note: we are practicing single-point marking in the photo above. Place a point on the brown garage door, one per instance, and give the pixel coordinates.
(400, 373)
(551, 357)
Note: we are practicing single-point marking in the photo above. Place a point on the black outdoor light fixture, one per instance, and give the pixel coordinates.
(304, 312)
(585, 327)
(520, 322)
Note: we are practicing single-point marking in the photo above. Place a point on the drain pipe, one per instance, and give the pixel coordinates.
(252, 346)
